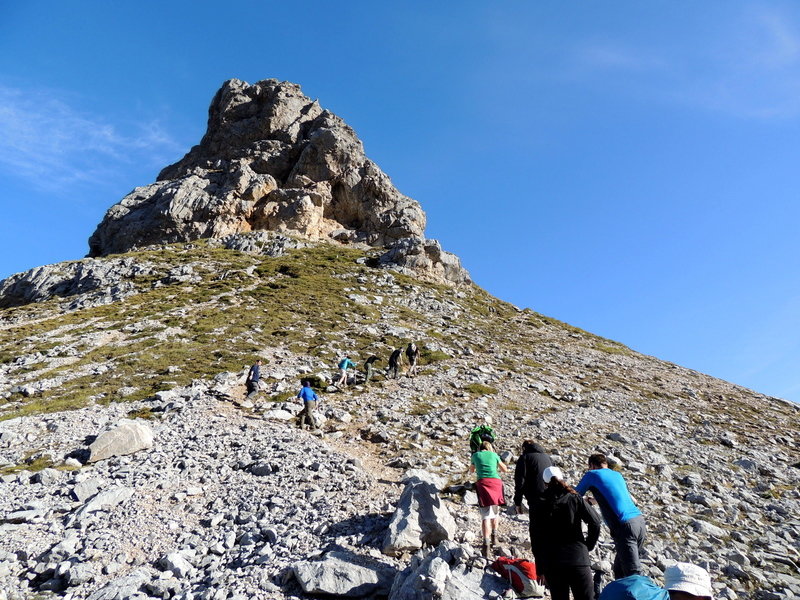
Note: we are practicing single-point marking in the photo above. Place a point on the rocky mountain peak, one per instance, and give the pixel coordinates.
(272, 159)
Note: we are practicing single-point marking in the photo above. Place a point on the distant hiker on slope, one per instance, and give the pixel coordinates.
(624, 520)
(309, 398)
(683, 581)
(344, 364)
(485, 463)
(394, 363)
(253, 377)
(412, 354)
(529, 483)
(369, 367)
(562, 553)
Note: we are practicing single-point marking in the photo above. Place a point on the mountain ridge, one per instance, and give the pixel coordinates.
(231, 501)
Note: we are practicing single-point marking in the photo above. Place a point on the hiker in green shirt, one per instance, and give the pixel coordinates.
(487, 465)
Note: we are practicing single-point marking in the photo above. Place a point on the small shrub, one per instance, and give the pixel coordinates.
(431, 356)
(316, 382)
(282, 397)
(142, 413)
(479, 389)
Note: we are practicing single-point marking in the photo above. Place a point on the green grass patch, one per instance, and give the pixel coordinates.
(427, 356)
(143, 413)
(479, 389)
(35, 464)
(613, 349)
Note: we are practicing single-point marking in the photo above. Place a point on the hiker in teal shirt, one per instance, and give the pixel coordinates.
(344, 364)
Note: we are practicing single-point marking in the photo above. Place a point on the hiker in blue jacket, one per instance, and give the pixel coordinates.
(624, 520)
(253, 377)
(310, 399)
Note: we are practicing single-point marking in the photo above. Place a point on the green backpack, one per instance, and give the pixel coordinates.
(480, 434)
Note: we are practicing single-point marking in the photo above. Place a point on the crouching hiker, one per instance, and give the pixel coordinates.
(486, 463)
(624, 519)
(683, 581)
(310, 399)
(253, 377)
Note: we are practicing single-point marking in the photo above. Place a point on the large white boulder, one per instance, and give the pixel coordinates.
(421, 518)
(126, 438)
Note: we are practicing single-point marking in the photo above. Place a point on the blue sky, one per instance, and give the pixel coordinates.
(627, 167)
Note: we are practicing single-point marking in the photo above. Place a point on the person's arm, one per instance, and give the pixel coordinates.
(502, 466)
(589, 516)
(519, 480)
(472, 467)
(584, 483)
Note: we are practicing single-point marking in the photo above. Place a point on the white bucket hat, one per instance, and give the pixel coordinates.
(689, 578)
(551, 472)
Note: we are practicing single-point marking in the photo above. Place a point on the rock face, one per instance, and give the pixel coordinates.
(98, 281)
(421, 518)
(273, 159)
(126, 438)
(344, 574)
(447, 573)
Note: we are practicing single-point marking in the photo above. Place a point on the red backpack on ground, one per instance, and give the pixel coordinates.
(521, 574)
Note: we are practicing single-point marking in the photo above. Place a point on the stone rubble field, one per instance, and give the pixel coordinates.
(231, 501)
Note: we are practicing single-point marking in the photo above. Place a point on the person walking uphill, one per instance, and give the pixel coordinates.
(369, 367)
(486, 463)
(253, 377)
(624, 520)
(528, 482)
(344, 364)
(394, 362)
(562, 553)
(310, 399)
(412, 354)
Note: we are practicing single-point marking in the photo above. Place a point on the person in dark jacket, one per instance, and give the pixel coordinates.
(253, 377)
(394, 363)
(561, 550)
(528, 481)
(369, 367)
(412, 354)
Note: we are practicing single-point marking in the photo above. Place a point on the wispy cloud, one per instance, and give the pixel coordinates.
(53, 145)
(607, 55)
(747, 66)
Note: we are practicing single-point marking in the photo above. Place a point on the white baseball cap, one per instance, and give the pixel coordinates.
(551, 472)
(689, 578)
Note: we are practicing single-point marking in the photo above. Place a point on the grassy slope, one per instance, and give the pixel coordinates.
(245, 303)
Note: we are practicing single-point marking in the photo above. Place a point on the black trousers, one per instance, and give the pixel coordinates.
(561, 580)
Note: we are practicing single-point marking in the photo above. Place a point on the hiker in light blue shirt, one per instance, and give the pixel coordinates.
(344, 364)
(624, 520)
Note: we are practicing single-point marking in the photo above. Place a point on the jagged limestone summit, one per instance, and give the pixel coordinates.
(272, 159)
(214, 497)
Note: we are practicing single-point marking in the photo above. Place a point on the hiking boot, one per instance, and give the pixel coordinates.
(494, 539)
(485, 550)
